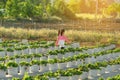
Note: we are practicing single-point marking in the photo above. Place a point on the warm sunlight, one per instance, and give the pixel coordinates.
(59, 39)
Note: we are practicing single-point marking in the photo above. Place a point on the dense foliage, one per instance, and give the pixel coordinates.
(44, 9)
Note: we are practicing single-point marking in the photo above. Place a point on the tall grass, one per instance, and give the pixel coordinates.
(89, 16)
(51, 34)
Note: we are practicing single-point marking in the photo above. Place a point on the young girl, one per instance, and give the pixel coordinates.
(61, 39)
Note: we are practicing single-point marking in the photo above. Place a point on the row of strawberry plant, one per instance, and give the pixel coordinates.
(117, 77)
(26, 49)
(36, 48)
(51, 62)
(82, 72)
(74, 60)
(79, 56)
(55, 52)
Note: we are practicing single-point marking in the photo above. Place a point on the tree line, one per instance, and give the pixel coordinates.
(44, 9)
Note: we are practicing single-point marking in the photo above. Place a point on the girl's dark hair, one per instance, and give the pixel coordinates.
(62, 32)
(59, 32)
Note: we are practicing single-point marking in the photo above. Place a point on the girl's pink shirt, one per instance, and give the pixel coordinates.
(62, 38)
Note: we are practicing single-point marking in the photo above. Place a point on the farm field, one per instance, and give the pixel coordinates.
(31, 29)
(30, 52)
(48, 62)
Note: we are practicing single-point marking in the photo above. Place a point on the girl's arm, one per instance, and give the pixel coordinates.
(66, 39)
(56, 43)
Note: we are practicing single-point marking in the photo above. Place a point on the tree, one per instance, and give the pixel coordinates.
(73, 5)
(113, 9)
(61, 10)
(1, 16)
(39, 11)
(26, 9)
(2, 3)
(2, 10)
(12, 8)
